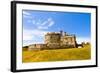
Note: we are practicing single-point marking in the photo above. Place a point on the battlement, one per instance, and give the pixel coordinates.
(52, 33)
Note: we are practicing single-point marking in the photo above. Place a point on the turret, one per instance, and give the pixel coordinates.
(61, 33)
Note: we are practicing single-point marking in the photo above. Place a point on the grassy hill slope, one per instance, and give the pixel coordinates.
(57, 54)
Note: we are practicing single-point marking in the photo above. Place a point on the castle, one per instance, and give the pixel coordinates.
(55, 40)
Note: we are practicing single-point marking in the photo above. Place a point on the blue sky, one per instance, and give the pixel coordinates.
(37, 23)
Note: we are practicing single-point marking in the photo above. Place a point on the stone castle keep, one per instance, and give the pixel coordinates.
(55, 40)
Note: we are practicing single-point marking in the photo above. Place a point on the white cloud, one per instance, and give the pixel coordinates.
(26, 16)
(82, 39)
(39, 23)
(27, 35)
(47, 21)
(28, 21)
(37, 36)
(26, 13)
(33, 36)
(26, 43)
(39, 32)
(46, 24)
(41, 27)
(33, 21)
(51, 23)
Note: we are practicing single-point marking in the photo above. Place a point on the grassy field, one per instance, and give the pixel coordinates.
(57, 54)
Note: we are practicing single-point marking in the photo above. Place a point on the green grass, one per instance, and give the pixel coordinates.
(57, 54)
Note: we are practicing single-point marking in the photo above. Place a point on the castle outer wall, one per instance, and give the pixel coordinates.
(56, 40)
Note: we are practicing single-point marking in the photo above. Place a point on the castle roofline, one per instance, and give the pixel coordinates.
(53, 33)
